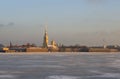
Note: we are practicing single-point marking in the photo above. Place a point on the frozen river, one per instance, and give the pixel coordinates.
(60, 66)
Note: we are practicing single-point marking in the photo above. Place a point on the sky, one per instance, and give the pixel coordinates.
(69, 22)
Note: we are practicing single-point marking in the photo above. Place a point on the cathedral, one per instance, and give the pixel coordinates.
(45, 40)
(46, 44)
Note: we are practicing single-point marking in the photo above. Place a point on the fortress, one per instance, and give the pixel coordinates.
(53, 47)
(46, 46)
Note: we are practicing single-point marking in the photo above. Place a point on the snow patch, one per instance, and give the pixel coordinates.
(61, 77)
(116, 64)
(2, 72)
(111, 75)
(7, 76)
(106, 75)
(45, 66)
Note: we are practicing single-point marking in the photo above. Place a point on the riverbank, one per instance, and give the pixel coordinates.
(54, 53)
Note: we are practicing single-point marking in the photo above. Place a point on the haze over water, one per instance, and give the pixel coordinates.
(60, 66)
(70, 22)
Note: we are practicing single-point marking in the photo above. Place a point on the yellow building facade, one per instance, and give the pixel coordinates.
(45, 40)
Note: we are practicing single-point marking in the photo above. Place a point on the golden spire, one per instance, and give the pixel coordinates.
(45, 41)
(45, 29)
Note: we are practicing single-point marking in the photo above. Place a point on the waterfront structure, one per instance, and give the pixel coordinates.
(10, 45)
(53, 43)
(45, 40)
(53, 47)
(46, 44)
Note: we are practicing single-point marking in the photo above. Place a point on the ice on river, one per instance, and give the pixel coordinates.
(60, 66)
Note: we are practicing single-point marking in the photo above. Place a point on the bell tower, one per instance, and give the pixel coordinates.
(45, 40)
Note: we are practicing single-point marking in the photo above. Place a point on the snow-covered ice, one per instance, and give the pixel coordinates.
(61, 77)
(60, 66)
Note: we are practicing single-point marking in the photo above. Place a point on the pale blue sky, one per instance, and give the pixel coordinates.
(84, 22)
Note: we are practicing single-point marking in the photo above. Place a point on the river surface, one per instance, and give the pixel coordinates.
(60, 66)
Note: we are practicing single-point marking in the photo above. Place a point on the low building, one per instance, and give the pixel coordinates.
(103, 50)
(36, 49)
(73, 49)
(17, 49)
(4, 49)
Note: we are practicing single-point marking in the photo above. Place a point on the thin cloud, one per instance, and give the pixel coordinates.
(96, 1)
(7, 25)
(11, 24)
(2, 25)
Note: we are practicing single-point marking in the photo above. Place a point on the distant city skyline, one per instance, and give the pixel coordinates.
(70, 22)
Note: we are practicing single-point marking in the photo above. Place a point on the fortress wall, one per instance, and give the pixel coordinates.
(102, 50)
(36, 50)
